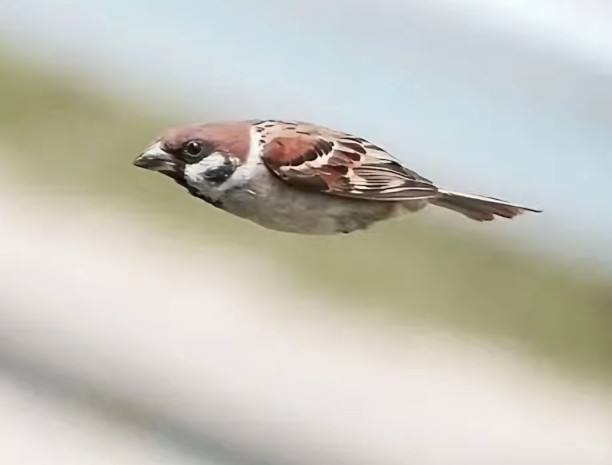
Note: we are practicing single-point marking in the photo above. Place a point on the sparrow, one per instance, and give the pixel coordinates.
(299, 177)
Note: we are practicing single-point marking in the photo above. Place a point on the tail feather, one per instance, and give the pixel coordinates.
(477, 207)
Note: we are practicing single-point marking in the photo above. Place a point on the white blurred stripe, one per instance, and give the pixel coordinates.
(36, 430)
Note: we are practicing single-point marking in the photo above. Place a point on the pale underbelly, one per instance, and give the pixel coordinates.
(272, 204)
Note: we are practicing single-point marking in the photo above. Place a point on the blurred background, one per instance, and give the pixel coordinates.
(140, 326)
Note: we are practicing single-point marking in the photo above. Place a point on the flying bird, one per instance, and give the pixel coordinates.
(302, 178)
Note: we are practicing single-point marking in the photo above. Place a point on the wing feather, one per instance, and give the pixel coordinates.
(331, 162)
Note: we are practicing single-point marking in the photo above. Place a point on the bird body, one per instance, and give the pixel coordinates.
(302, 178)
(269, 202)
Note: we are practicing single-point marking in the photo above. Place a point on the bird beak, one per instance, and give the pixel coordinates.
(156, 159)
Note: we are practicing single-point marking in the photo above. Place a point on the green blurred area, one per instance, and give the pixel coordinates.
(73, 141)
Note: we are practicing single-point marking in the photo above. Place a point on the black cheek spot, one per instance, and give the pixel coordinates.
(220, 174)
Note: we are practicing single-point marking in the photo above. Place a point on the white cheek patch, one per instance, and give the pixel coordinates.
(194, 174)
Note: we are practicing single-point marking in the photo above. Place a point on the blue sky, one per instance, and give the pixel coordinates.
(492, 113)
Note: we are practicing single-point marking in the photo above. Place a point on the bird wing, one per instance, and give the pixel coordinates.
(319, 159)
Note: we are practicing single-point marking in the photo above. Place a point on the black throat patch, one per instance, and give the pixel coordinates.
(193, 191)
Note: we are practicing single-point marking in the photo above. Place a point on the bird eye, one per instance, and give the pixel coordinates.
(193, 148)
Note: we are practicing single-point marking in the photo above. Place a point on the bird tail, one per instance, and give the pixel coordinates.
(477, 207)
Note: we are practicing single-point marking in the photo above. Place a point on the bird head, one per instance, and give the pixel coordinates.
(200, 156)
